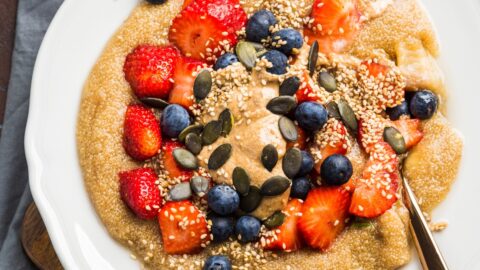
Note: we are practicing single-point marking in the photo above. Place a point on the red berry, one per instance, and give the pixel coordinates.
(170, 165)
(184, 78)
(287, 237)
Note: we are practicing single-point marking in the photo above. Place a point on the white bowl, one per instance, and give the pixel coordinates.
(71, 46)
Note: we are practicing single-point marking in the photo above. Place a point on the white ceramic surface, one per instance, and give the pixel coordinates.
(71, 46)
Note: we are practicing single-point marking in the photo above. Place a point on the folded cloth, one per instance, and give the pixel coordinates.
(33, 18)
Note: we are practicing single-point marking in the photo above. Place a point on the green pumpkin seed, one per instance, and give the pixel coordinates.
(185, 159)
(275, 220)
(292, 161)
(180, 192)
(258, 46)
(362, 223)
(348, 115)
(193, 142)
(282, 105)
(202, 85)
(332, 109)
(313, 58)
(290, 86)
(220, 156)
(155, 102)
(275, 186)
(227, 120)
(393, 137)
(247, 54)
(211, 132)
(252, 200)
(199, 185)
(269, 157)
(288, 129)
(197, 129)
(327, 81)
(241, 181)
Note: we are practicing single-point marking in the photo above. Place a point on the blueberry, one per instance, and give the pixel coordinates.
(174, 119)
(307, 164)
(286, 40)
(279, 62)
(336, 170)
(423, 104)
(217, 262)
(247, 228)
(300, 188)
(398, 111)
(222, 228)
(225, 60)
(156, 2)
(223, 200)
(258, 26)
(311, 116)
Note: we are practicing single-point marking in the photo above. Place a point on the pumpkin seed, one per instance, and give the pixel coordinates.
(288, 129)
(275, 186)
(332, 109)
(282, 105)
(155, 102)
(290, 86)
(258, 46)
(199, 185)
(275, 220)
(241, 181)
(197, 129)
(211, 132)
(247, 54)
(269, 157)
(347, 114)
(220, 156)
(252, 200)
(202, 85)
(393, 137)
(180, 192)
(292, 161)
(193, 142)
(327, 81)
(313, 58)
(227, 120)
(185, 159)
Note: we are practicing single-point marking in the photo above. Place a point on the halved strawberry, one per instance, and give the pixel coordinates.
(184, 78)
(186, 3)
(149, 70)
(370, 132)
(332, 139)
(141, 133)
(334, 25)
(301, 142)
(286, 236)
(183, 227)
(139, 191)
(324, 215)
(375, 68)
(307, 91)
(410, 130)
(206, 28)
(170, 165)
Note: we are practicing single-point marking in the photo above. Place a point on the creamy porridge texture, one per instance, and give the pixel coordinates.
(395, 34)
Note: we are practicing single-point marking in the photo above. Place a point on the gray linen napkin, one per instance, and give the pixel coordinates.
(33, 18)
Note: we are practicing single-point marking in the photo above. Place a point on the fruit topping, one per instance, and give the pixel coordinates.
(259, 26)
(225, 60)
(223, 200)
(286, 236)
(288, 41)
(336, 170)
(174, 120)
(278, 61)
(300, 188)
(311, 116)
(170, 165)
(247, 229)
(423, 104)
(398, 111)
(332, 139)
(308, 90)
(410, 130)
(307, 164)
(184, 78)
(217, 262)
(222, 228)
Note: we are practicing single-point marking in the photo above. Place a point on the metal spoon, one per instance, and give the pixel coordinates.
(430, 256)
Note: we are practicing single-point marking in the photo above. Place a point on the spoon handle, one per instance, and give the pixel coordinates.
(430, 256)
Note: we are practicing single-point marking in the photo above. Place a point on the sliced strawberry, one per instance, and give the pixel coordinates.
(286, 236)
(307, 91)
(186, 3)
(410, 130)
(324, 215)
(184, 228)
(184, 78)
(206, 28)
(141, 133)
(301, 142)
(170, 165)
(139, 191)
(149, 70)
(331, 140)
(376, 69)
(370, 132)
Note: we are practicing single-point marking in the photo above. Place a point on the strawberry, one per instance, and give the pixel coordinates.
(184, 78)
(333, 139)
(375, 69)
(370, 132)
(301, 142)
(183, 227)
(324, 215)
(206, 28)
(141, 133)
(334, 25)
(139, 191)
(170, 165)
(410, 130)
(286, 236)
(307, 91)
(149, 70)
(186, 3)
